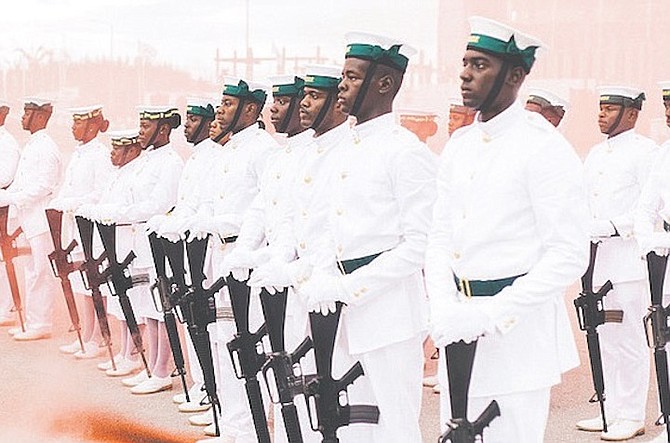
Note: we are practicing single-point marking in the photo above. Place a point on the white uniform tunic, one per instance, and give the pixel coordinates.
(616, 171)
(88, 172)
(37, 177)
(233, 185)
(511, 201)
(154, 179)
(116, 193)
(382, 193)
(9, 153)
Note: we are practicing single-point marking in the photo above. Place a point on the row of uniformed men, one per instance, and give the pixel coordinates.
(510, 226)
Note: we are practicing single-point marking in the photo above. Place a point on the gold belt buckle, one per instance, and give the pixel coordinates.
(465, 287)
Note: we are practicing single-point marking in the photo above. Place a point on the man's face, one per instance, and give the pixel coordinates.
(478, 76)
(533, 107)
(353, 74)
(147, 130)
(117, 155)
(79, 129)
(458, 120)
(279, 110)
(225, 113)
(607, 117)
(26, 119)
(191, 125)
(666, 103)
(311, 104)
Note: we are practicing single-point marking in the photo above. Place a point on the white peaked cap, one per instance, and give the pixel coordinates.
(203, 102)
(382, 41)
(37, 101)
(123, 133)
(286, 79)
(85, 110)
(621, 91)
(500, 31)
(553, 99)
(332, 71)
(665, 86)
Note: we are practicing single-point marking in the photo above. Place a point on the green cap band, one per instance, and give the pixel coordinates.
(322, 82)
(207, 112)
(151, 115)
(292, 89)
(503, 49)
(124, 141)
(389, 57)
(241, 90)
(626, 102)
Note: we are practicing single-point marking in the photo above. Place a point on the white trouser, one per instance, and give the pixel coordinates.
(625, 354)
(523, 416)
(193, 362)
(393, 382)
(295, 330)
(236, 420)
(40, 283)
(6, 302)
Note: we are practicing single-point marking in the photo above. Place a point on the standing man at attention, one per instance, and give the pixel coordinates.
(616, 171)
(37, 176)
(509, 235)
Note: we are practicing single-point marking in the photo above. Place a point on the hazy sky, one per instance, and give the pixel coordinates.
(187, 34)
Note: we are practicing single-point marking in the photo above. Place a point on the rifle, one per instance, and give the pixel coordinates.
(201, 311)
(460, 360)
(62, 266)
(121, 283)
(247, 355)
(93, 278)
(168, 290)
(591, 314)
(9, 252)
(280, 364)
(327, 400)
(658, 333)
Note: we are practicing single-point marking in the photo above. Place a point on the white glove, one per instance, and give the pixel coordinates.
(6, 198)
(238, 259)
(658, 242)
(200, 227)
(106, 214)
(325, 308)
(321, 289)
(69, 205)
(174, 227)
(459, 321)
(57, 204)
(154, 223)
(84, 210)
(601, 229)
(274, 276)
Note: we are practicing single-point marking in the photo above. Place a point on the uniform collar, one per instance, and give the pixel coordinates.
(153, 151)
(245, 134)
(203, 143)
(333, 136)
(37, 134)
(501, 122)
(371, 126)
(624, 137)
(92, 142)
(301, 138)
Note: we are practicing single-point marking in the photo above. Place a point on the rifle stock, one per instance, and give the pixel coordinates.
(10, 251)
(93, 279)
(591, 314)
(658, 333)
(62, 266)
(327, 399)
(247, 356)
(121, 283)
(164, 287)
(278, 370)
(198, 308)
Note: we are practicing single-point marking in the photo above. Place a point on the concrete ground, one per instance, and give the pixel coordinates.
(49, 397)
